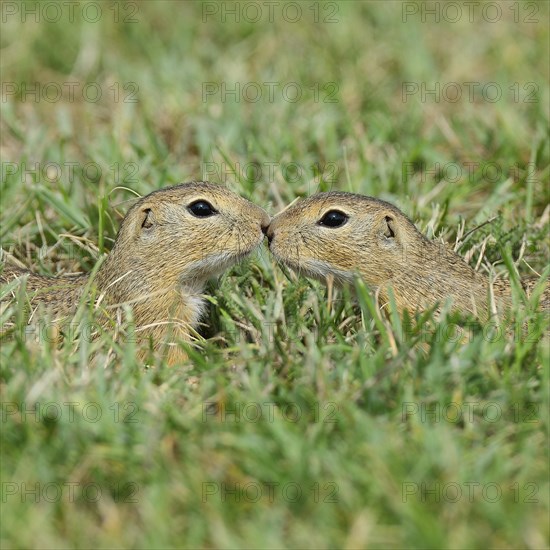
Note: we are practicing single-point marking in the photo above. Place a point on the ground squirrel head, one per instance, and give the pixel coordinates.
(340, 234)
(186, 234)
(169, 243)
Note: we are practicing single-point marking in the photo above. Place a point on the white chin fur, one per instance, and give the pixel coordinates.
(212, 266)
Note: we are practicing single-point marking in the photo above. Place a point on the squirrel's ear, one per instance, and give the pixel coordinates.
(146, 218)
(389, 227)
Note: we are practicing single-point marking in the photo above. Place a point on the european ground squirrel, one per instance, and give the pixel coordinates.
(339, 234)
(169, 244)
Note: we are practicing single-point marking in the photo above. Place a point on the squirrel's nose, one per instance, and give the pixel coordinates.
(264, 223)
(268, 232)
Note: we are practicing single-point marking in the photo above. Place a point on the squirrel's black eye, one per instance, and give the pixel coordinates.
(333, 218)
(201, 209)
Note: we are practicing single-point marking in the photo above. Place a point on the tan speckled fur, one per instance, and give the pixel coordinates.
(160, 269)
(384, 247)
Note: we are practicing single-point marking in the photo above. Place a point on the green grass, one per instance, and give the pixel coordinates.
(396, 436)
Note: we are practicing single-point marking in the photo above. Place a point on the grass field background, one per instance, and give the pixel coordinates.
(301, 419)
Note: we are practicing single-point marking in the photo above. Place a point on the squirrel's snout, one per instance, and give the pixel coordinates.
(265, 224)
(268, 232)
